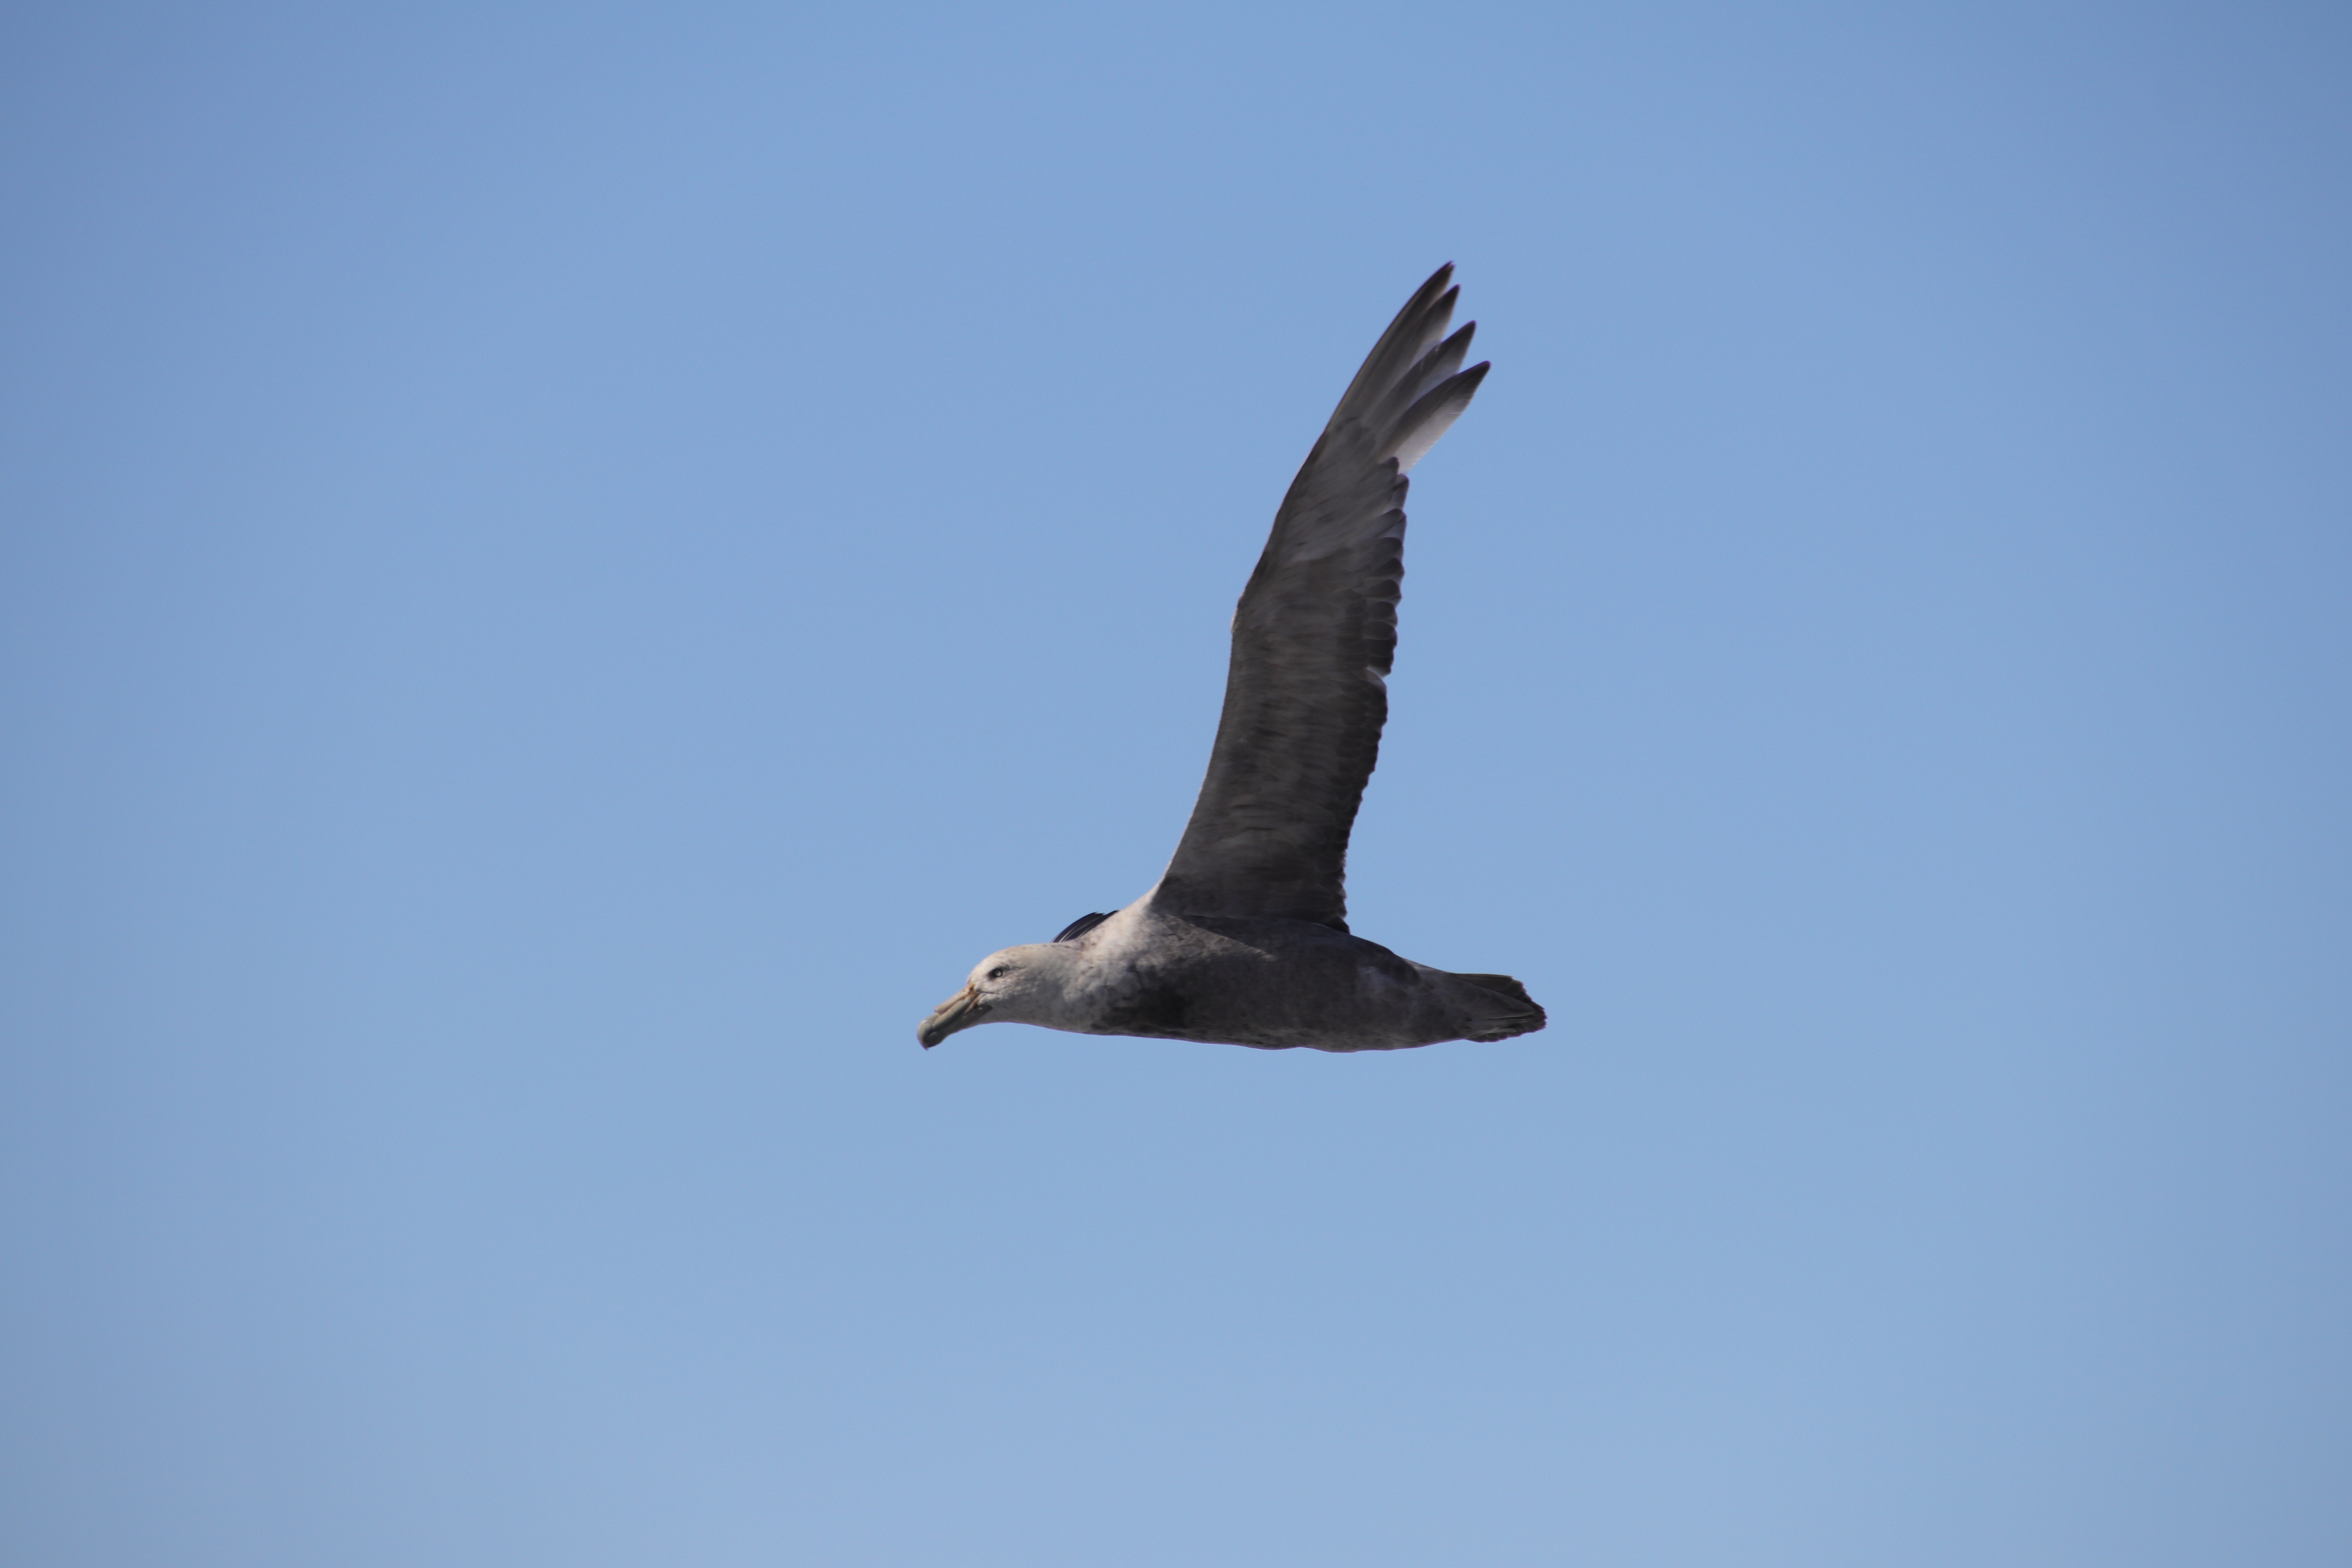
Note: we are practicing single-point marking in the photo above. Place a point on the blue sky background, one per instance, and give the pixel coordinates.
(567, 570)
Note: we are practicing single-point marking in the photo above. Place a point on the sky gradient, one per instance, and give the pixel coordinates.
(568, 570)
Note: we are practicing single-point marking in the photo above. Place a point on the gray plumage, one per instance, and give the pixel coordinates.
(1244, 939)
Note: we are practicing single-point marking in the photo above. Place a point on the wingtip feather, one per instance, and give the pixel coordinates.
(1419, 427)
(1409, 334)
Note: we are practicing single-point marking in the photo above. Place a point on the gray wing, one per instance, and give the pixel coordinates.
(1306, 691)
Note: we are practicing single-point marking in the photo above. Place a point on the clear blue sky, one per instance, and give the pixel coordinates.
(568, 570)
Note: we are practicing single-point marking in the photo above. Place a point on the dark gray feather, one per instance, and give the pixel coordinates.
(1314, 637)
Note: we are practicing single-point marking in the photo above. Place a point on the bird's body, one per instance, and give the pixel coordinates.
(1252, 980)
(1245, 940)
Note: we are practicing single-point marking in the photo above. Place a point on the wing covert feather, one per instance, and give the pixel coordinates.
(1313, 638)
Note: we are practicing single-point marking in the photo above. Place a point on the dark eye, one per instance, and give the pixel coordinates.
(997, 973)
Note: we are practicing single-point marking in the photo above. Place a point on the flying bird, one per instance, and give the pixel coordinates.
(1245, 940)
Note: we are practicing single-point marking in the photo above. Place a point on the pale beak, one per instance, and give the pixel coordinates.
(960, 1011)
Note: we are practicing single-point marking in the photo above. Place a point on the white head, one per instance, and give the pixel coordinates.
(1032, 983)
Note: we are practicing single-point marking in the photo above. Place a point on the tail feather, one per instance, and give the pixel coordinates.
(1513, 1011)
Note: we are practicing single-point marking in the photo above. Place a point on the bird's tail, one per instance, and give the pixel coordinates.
(1500, 1007)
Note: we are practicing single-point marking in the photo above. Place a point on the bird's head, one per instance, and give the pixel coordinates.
(1025, 984)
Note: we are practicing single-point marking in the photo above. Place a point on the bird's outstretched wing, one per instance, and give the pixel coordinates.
(1313, 639)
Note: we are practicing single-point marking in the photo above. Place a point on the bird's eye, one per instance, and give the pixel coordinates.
(997, 973)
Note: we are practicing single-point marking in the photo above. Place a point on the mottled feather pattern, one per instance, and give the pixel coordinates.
(1313, 638)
